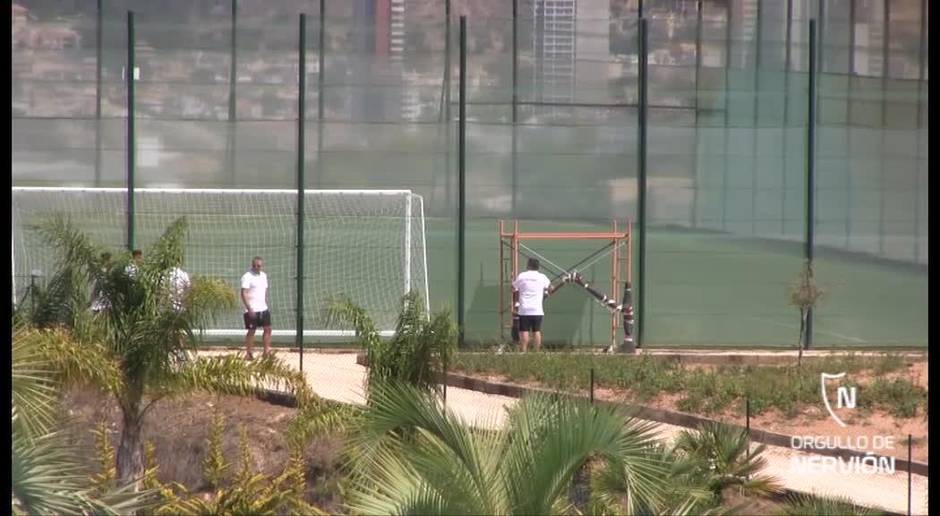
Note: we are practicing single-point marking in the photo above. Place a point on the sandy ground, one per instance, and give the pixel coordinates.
(336, 376)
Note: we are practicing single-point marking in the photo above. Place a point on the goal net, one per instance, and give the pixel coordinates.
(368, 245)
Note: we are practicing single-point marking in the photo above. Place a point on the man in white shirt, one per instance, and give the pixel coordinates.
(99, 302)
(531, 288)
(255, 298)
(179, 283)
(137, 257)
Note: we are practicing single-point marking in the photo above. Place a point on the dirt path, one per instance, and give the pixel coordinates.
(336, 376)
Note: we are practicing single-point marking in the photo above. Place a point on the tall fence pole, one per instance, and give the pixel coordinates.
(693, 215)
(515, 99)
(755, 137)
(131, 141)
(301, 184)
(885, 71)
(99, 37)
(446, 108)
(641, 186)
(920, 125)
(786, 116)
(321, 92)
(232, 80)
(811, 168)
(461, 183)
(727, 111)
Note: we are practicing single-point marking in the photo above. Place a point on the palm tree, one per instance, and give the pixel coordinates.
(726, 460)
(151, 341)
(418, 351)
(809, 505)
(46, 475)
(409, 455)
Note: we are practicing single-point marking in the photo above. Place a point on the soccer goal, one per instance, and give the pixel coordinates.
(366, 244)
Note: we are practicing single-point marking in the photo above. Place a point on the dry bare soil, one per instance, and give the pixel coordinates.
(178, 429)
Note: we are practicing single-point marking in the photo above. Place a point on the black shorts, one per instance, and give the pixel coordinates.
(530, 323)
(261, 319)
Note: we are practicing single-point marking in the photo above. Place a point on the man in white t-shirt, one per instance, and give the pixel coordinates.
(178, 283)
(255, 298)
(531, 288)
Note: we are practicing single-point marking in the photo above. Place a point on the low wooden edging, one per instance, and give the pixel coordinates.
(664, 416)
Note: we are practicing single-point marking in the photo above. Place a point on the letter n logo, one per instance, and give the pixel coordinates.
(844, 399)
(845, 396)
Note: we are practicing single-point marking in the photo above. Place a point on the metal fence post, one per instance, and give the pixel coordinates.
(592, 386)
(131, 141)
(909, 485)
(641, 185)
(515, 100)
(811, 168)
(301, 185)
(321, 91)
(232, 80)
(99, 29)
(461, 184)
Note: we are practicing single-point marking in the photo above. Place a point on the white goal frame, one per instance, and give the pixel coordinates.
(408, 197)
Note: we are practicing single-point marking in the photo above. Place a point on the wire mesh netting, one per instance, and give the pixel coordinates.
(552, 134)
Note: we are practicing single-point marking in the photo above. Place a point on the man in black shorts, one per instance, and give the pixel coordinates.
(531, 286)
(255, 298)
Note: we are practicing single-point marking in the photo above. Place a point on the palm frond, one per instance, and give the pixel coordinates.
(47, 478)
(319, 417)
(557, 436)
(232, 375)
(805, 505)
(442, 450)
(727, 459)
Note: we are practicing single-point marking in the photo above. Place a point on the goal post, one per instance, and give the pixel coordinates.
(368, 245)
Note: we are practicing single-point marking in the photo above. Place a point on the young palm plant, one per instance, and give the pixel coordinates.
(46, 475)
(809, 505)
(409, 455)
(725, 460)
(145, 335)
(418, 351)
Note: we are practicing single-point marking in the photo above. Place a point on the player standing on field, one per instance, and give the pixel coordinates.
(99, 302)
(255, 298)
(532, 287)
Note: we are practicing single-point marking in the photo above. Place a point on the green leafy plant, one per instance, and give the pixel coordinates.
(417, 352)
(804, 294)
(143, 336)
(214, 464)
(726, 459)
(808, 505)
(104, 480)
(249, 492)
(409, 455)
(46, 476)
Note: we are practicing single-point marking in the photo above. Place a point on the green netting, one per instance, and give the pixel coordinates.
(551, 141)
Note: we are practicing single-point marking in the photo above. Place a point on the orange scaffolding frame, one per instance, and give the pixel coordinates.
(621, 263)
